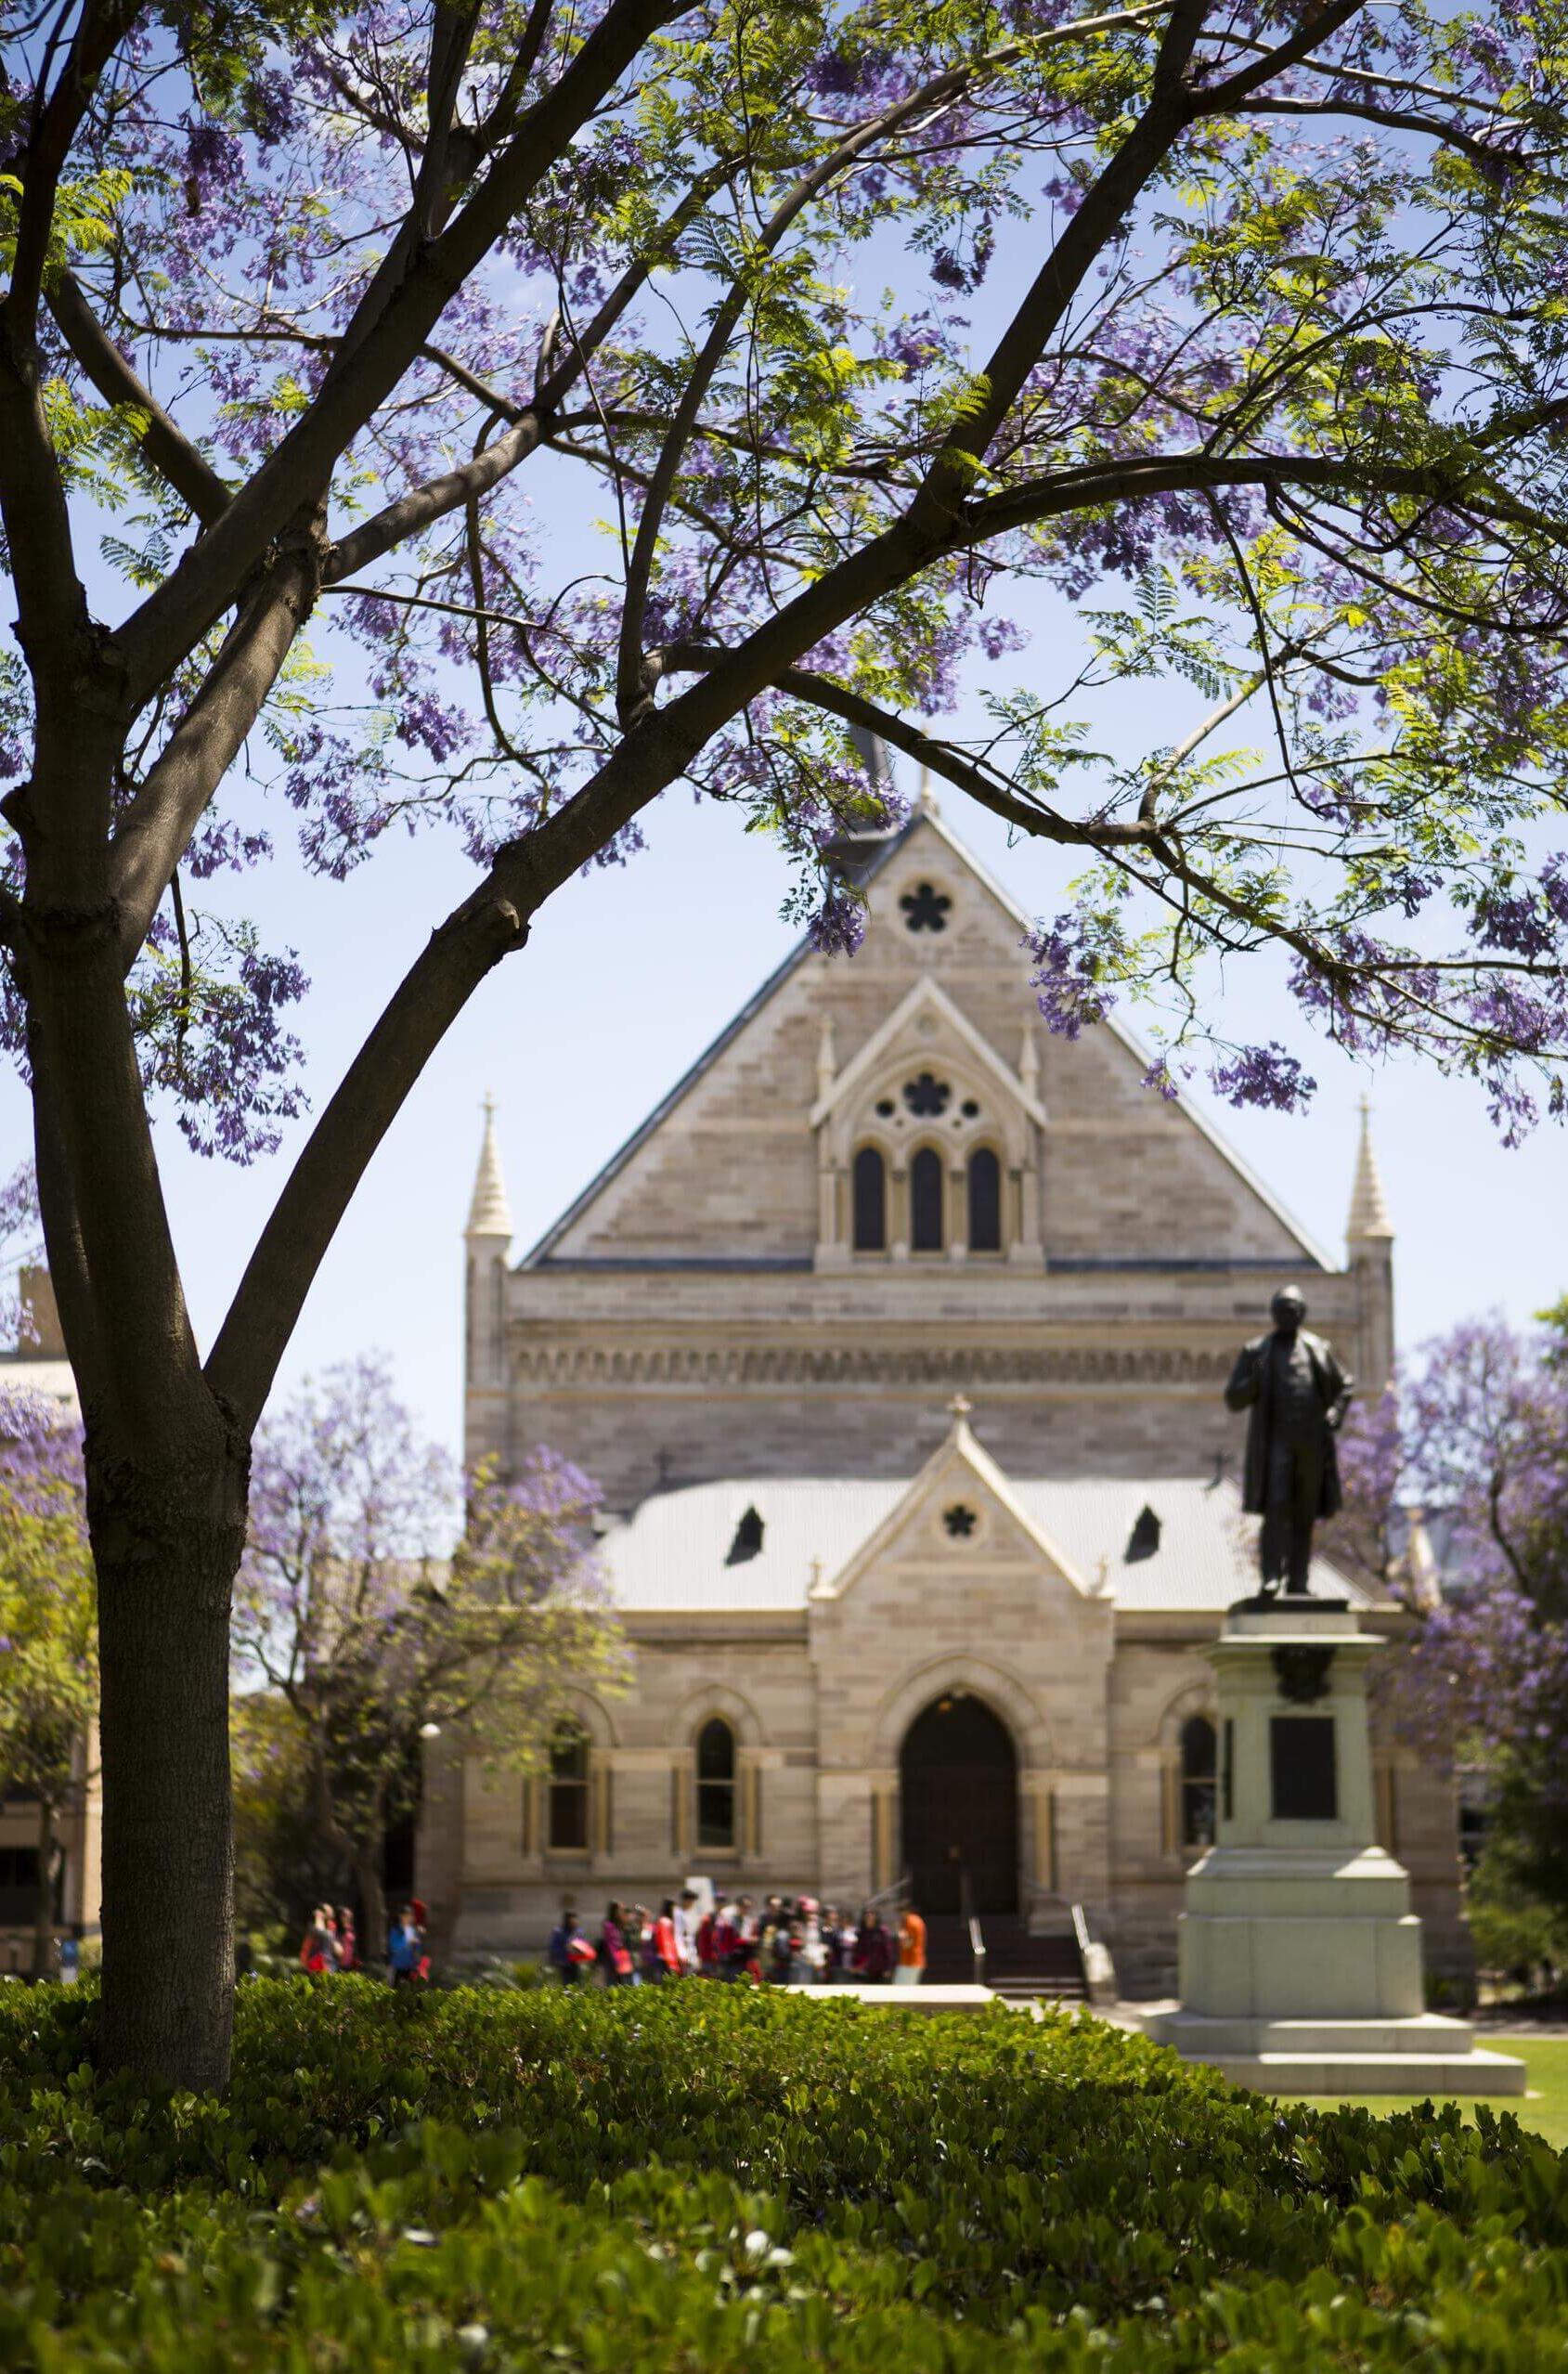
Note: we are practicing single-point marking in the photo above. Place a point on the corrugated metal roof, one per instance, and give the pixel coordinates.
(672, 1555)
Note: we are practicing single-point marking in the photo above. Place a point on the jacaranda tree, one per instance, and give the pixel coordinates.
(1484, 1445)
(360, 1626)
(48, 1667)
(331, 331)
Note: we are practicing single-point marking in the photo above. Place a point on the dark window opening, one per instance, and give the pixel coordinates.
(19, 1886)
(985, 1201)
(871, 1201)
(1198, 1790)
(926, 1096)
(926, 1234)
(959, 1521)
(747, 1541)
(1144, 1539)
(969, 1109)
(925, 908)
(716, 1785)
(567, 1828)
(886, 1107)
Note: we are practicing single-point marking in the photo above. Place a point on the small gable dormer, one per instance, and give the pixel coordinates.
(929, 1144)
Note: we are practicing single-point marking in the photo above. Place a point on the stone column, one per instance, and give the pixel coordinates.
(958, 1211)
(897, 1210)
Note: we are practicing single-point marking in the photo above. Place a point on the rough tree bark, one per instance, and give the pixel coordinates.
(167, 1468)
(167, 1546)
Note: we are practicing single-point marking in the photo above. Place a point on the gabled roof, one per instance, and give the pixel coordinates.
(688, 1078)
(925, 996)
(1134, 1045)
(928, 817)
(958, 1450)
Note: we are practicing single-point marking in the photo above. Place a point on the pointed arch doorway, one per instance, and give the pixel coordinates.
(958, 1786)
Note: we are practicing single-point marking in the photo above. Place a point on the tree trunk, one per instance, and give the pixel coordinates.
(166, 1549)
(44, 1909)
(372, 1906)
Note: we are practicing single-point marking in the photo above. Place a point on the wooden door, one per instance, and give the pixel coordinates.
(959, 1786)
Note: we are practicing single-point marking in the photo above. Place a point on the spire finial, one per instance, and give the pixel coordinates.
(1368, 1205)
(489, 1214)
(958, 1410)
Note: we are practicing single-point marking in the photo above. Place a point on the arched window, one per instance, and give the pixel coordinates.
(566, 1816)
(925, 1231)
(871, 1201)
(1197, 1782)
(985, 1201)
(716, 1783)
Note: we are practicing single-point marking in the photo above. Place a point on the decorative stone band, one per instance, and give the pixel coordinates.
(736, 1364)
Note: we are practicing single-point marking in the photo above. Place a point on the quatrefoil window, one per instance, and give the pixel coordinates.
(926, 1096)
(926, 909)
(959, 1521)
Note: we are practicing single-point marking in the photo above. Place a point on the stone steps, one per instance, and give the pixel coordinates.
(1420, 2055)
(1345, 2075)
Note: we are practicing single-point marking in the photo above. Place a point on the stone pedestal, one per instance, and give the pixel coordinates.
(1300, 1958)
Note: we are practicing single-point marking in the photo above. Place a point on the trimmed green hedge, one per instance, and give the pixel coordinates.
(705, 2180)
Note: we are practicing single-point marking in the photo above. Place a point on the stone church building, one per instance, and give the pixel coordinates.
(895, 1337)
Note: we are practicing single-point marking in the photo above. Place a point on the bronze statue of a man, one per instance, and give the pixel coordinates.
(1296, 1393)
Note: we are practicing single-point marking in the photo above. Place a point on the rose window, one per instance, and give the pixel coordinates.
(926, 1096)
(926, 909)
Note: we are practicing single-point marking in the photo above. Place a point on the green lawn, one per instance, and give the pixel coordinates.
(1544, 2110)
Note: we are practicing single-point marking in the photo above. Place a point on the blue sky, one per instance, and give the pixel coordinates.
(627, 975)
(630, 972)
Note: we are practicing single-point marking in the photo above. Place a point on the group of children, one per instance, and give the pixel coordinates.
(787, 1941)
(330, 1943)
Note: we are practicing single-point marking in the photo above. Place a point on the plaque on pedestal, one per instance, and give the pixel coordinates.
(1303, 1781)
(1299, 1956)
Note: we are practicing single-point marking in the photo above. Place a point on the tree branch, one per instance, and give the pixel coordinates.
(102, 24)
(156, 828)
(939, 93)
(531, 424)
(1316, 27)
(1097, 483)
(1058, 281)
(421, 506)
(166, 447)
(187, 605)
(475, 936)
(52, 621)
(1393, 119)
(822, 693)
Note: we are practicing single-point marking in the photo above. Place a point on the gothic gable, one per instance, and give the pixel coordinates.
(958, 1510)
(926, 1038)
